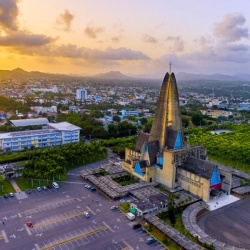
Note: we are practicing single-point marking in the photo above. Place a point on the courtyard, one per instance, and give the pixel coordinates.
(229, 224)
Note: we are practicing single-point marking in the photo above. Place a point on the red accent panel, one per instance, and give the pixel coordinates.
(217, 186)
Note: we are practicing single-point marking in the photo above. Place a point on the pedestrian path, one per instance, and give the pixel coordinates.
(221, 201)
(19, 194)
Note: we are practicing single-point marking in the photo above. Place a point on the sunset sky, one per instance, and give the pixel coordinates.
(136, 37)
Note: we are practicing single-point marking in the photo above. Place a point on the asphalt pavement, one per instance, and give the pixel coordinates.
(59, 222)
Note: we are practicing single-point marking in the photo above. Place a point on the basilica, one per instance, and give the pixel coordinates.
(165, 157)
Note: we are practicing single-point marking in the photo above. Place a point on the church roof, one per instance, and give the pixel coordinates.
(153, 149)
(199, 167)
(142, 138)
(143, 163)
(171, 136)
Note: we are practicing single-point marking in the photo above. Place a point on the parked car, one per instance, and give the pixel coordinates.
(55, 185)
(28, 191)
(39, 189)
(29, 224)
(86, 214)
(49, 187)
(93, 189)
(150, 240)
(44, 188)
(11, 195)
(6, 196)
(114, 208)
(136, 226)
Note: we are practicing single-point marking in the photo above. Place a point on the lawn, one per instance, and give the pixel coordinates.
(179, 226)
(233, 164)
(125, 207)
(7, 188)
(126, 179)
(27, 184)
(161, 238)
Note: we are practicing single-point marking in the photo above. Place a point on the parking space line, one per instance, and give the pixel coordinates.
(108, 226)
(58, 219)
(72, 239)
(37, 247)
(126, 243)
(27, 229)
(4, 236)
(91, 210)
(30, 211)
(101, 233)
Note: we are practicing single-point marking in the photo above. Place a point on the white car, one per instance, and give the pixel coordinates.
(86, 214)
(39, 189)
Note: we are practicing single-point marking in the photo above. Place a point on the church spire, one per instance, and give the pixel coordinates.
(167, 123)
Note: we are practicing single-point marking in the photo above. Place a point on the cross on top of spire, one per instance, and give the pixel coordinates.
(170, 64)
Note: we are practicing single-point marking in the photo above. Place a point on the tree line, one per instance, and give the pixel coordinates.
(51, 163)
(234, 145)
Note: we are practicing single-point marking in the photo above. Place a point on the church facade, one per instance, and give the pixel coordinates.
(164, 155)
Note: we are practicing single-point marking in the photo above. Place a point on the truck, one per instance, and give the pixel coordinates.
(130, 216)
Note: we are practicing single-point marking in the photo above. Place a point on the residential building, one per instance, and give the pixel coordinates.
(126, 113)
(81, 94)
(39, 109)
(52, 90)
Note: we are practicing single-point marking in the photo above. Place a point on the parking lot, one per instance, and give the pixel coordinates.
(58, 221)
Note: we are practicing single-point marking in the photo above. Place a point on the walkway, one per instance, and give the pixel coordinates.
(221, 201)
(19, 194)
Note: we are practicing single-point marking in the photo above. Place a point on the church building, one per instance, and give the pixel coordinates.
(165, 157)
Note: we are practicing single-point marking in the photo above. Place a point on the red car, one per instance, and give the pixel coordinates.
(29, 224)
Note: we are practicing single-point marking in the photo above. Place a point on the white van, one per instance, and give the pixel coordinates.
(55, 185)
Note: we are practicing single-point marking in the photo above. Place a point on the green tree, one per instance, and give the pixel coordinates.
(96, 114)
(116, 118)
(143, 120)
(2, 181)
(197, 119)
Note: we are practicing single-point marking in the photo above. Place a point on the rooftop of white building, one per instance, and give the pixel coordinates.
(63, 126)
(10, 135)
(29, 122)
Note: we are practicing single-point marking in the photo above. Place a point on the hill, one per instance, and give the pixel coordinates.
(20, 73)
(213, 77)
(116, 75)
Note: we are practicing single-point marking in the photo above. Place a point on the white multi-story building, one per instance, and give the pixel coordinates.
(53, 90)
(81, 94)
(126, 113)
(39, 109)
(54, 135)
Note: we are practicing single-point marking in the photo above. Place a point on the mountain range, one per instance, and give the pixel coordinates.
(117, 75)
(20, 73)
(213, 77)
